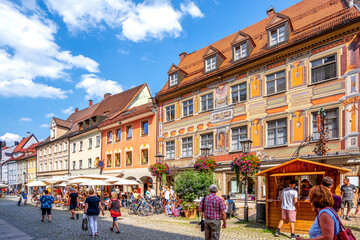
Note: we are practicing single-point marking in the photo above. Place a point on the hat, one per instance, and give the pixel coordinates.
(213, 188)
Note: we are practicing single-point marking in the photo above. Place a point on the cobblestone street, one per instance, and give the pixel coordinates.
(26, 219)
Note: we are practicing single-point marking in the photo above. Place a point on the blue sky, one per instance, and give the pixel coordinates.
(56, 55)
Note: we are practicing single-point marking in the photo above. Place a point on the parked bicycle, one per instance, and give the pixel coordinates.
(140, 207)
(157, 204)
(34, 199)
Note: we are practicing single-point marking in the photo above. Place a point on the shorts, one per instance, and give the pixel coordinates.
(346, 203)
(46, 210)
(288, 215)
(73, 206)
(358, 203)
(114, 219)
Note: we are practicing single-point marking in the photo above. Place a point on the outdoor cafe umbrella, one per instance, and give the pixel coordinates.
(36, 184)
(90, 177)
(126, 182)
(3, 185)
(96, 183)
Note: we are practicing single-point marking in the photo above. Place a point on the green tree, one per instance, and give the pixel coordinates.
(191, 184)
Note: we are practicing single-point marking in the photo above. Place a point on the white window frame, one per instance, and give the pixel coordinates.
(210, 64)
(238, 89)
(168, 113)
(323, 65)
(80, 146)
(80, 164)
(276, 79)
(239, 135)
(276, 128)
(206, 138)
(275, 37)
(173, 79)
(89, 143)
(187, 104)
(205, 99)
(240, 51)
(187, 147)
(89, 163)
(314, 131)
(97, 141)
(74, 147)
(170, 149)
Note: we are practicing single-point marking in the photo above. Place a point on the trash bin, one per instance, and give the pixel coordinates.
(260, 211)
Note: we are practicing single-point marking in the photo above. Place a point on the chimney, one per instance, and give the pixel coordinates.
(182, 55)
(76, 109)
(90, 103)
(106, 95)
(271, 11)
(28, 133)
(16, 143)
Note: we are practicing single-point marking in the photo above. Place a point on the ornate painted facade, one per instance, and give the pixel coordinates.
(266, 83)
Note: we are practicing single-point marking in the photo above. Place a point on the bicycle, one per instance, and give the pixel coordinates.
(34, 199)
(140, 207)
(156, 204)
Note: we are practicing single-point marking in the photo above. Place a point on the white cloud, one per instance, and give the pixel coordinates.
(68, 110)
(25, 119)
(123, 51)
(45, 125)
(191, 9)
(28, 51)
(135, 21)
(10, 138)
(96, 87)
(49, 115)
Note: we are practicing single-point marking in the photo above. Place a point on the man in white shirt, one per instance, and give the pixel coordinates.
(152, 192)
(167, 195)
(289, 197)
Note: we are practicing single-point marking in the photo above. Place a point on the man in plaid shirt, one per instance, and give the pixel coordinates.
(214, 211)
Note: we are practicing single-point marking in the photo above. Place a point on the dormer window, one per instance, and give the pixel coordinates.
(173, 78)
(210, 64)
(277, 36)
(240, 51)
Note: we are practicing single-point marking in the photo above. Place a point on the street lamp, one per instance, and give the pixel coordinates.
(246, 148)
(159, 158)
(205, 151)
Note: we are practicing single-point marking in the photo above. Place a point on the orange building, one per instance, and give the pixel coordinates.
(129, 143)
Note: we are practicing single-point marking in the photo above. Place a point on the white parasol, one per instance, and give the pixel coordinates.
(3, 185)
(95, 183)
(126, 182)
(90, 177)
(36, 184)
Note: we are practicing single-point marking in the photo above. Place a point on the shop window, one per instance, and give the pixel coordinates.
(128, 158)
(117, 160)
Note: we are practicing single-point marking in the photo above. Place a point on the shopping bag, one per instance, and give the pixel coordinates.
(85, 223)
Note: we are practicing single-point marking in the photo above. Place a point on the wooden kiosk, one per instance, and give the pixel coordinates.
(277, 178)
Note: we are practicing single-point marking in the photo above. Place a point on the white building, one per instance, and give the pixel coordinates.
(6, 154)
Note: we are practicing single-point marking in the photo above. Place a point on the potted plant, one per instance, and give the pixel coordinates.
(190, 209)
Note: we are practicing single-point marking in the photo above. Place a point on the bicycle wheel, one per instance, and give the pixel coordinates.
(131, 210)
(146, 210)
(34, 200)
(157, 208)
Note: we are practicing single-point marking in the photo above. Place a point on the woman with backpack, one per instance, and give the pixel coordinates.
(327, 223)
(114, 207)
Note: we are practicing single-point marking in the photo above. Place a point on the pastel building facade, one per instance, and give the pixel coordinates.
(267, 83)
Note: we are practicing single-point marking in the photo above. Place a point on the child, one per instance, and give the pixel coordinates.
(24, 196)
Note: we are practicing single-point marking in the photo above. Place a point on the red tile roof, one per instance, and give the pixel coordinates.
(62, 123)
(308, 18)
(22, 143)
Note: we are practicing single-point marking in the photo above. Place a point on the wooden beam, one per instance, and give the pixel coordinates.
(297, 174)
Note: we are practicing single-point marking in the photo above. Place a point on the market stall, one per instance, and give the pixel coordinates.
(278, 178)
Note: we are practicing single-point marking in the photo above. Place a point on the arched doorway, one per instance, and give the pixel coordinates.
(134, 186)
(239, 193)
(147, 182)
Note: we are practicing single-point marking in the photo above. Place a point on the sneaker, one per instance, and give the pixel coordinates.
(292, 236)
(277, 234)
(348, 218)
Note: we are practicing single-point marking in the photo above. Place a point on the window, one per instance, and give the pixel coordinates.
(144, 127)
(66, 164)
(144, 156)
(41, 168)
(323, 69)
(170, 150)
(207, 102)
(52, 133)
(128, 158)
(276, 82)
(129, 132)
(65, 146)
(55, 149)
(277, 36)
(170, 113)
(60, 165)
(81, 146)
(80, 164)
(44, 151)
(56, 165)
(238, 92)
(60, 147)
(331, 119)
(109, 137)
(210, 64)
(49, 150)
(97, 141)
(173, 79)
(74, 147)
(89, 163)
(187, 108)
(40, 153)
(117, 160)
(240, 51)
(276, 132)
(207, 140)
(108, 160)
(187, 147)
(118, 134)
(74, 165)
(236, 135)
(90, 143)
(50, 166)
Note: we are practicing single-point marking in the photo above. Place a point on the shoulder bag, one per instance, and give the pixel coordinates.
(344, 233)
(202, 222)
(85, 224)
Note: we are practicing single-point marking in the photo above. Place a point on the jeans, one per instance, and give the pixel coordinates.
(93, 223)
(168, 209)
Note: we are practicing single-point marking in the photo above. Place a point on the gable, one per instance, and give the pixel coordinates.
(241, 37)
(211, 51)
(30, 142)
(173, 68)
(277, 20)
(143, 97)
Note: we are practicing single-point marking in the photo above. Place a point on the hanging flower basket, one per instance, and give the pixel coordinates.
(159, 169)
(245, 164)
(205, 164)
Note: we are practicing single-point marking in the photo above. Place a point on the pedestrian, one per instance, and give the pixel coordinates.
(347, 194)
(92, 210)
(326, 224)
(289, 197)
(74, 199)
(24, 196)
(328, 182)
(358, 202)
(148, 193)
(114, 207)
(152, 192)
(46, 205)
(214, 210)
(167, 195)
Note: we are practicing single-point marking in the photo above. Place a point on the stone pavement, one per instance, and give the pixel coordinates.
(27, 220)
